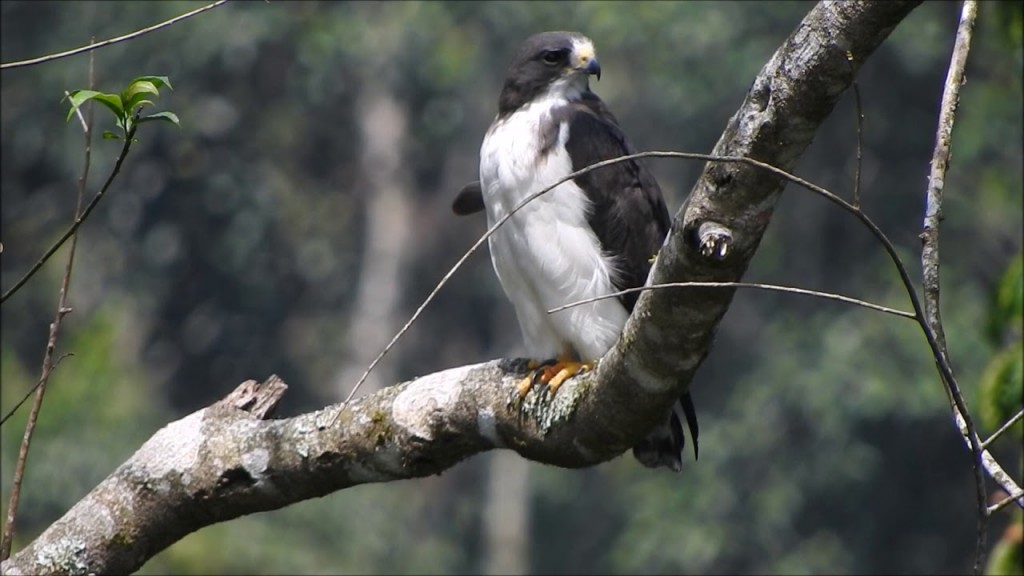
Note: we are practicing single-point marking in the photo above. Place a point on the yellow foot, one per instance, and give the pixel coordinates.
(526, 384)
(552, 373)
(567, 370)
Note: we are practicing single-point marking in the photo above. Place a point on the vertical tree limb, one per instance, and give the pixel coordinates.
(930, 260)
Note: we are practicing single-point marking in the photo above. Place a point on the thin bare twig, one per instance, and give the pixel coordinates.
(1002, 503)
(930, 261)
(78, 220)
(860, 135)
(51, 344)
(1006, 426)
(860, 145)
(771, 287)
(989, 463)
(78, 113)
(38, 383)
(1000, 477)
(90, 47)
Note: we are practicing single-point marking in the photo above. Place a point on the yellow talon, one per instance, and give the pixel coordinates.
(556, 382)
(524, 385)
(552, 374)
(569, 369)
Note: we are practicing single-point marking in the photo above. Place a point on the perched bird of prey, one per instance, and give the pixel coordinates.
(591, 236)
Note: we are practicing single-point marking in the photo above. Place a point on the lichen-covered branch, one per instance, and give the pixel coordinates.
(223, 462)
(226, 460)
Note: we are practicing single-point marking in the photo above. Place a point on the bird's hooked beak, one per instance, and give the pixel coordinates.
(584, 60)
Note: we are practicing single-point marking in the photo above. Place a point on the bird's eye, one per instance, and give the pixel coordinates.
(552, 57)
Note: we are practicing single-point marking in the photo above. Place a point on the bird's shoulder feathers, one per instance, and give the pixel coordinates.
(627, 210)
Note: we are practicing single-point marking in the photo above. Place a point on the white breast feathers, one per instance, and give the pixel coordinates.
(546, 255)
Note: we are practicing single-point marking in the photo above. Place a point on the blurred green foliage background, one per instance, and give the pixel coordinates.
(301, 214)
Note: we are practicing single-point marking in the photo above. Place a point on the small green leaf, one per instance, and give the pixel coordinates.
(140, 86)
(108, 135)
(140, 103)
(164, 116)
(136, 93)
(158, 81)
(111, 101)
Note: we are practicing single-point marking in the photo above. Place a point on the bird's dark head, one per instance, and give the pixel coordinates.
(549, 64)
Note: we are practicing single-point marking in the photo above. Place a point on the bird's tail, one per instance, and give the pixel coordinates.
(665, 445)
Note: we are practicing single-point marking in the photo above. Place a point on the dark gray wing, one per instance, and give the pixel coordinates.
(469, 200)
(630, 219)
(628, 213)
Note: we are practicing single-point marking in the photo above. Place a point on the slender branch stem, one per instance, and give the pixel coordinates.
(932, 319)
(51, 344)
(78, 220)
(112, 41)
(1004, 480)
(1006, 426)
(78, 113)
(31, 390)
(860, 135)
(1002, 503)
(860, 144)
(771, 287)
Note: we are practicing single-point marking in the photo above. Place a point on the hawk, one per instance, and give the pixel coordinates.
(591, 236)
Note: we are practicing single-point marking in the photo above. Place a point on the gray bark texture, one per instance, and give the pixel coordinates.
(229, 460)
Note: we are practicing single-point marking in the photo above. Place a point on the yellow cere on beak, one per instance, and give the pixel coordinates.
(585, 60)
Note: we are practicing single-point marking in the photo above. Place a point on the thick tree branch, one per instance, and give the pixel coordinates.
(224, 461)
(717, 231)
(221, 463)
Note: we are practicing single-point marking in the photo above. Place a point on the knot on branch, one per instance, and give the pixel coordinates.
(714, 241)
(257, 398)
